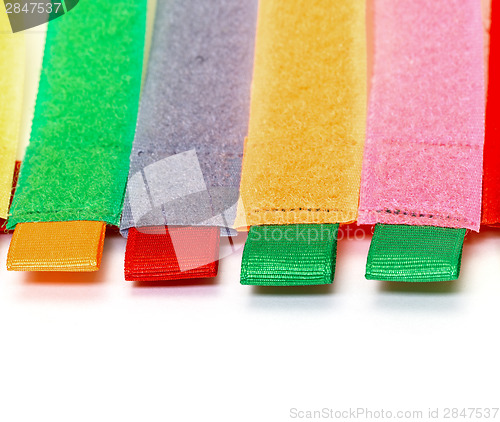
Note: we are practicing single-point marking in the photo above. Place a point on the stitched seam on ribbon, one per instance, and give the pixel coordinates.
(406, 131)
(47, 217)
(297, 209)
(213, 52)
(217, 154)
(414, 214)
(281, 147)
(432, 144)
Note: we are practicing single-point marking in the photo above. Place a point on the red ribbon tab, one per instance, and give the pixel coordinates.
(3, 223)
(171, 253)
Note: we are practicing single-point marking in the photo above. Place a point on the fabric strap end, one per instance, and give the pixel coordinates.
(293, 255)
(415, 253)
(73, 246)
(162, 253)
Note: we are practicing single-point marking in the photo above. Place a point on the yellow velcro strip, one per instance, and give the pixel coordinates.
(12, 67)
(303, 155)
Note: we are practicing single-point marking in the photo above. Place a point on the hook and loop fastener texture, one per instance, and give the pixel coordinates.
(186, 160)
(424, 148)
(76, 164)
(12, 70)
(304, 150)
(425, 135)
(185, 164)
(303, 155)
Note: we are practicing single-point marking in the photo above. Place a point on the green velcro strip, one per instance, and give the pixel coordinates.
(415, 253)
(291, 255)
(77, 161)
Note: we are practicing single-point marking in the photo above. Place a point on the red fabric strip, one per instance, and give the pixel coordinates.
(172, 253)
(491, 178)
(3, 223)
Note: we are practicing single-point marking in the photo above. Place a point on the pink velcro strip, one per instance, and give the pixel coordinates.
(424, 147)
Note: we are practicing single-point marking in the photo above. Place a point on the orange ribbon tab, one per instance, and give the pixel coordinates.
(57, 246)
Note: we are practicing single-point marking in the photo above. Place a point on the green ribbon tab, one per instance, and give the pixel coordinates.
(290, 255)
(415, 253)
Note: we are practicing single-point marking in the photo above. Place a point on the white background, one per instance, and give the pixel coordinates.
(92, 347)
